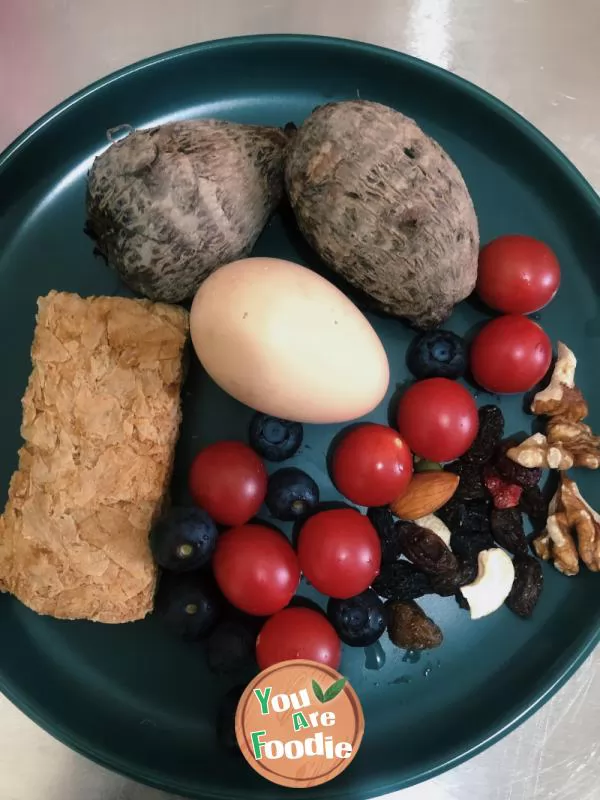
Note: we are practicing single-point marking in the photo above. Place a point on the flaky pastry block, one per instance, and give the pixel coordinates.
(101, 417)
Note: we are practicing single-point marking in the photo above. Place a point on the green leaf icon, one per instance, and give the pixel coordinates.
(334, 690)
(318, 692)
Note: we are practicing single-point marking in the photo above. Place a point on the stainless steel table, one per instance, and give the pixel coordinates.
(540, 56)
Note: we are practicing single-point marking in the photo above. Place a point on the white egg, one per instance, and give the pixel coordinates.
(283, 340)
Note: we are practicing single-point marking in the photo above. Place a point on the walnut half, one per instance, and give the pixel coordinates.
(572, 531)
(561, 398)
(568, 441)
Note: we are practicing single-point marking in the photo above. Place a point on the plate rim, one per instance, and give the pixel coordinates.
(559, 676)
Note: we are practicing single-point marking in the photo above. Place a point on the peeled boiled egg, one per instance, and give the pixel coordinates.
(283, 340)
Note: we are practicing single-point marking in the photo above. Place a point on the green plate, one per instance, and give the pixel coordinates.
(133, 698)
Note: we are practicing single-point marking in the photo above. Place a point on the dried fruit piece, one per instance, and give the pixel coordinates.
(409, 627)
(473, 516)
(511, 471)
(467, 545)
(384, 523)
(527, 586)
(426, 492)
(507, 530)
(401, 581)
(471, 485)
(449, 583)
(534, 504)
(426, 550)
(491, 431)
(504, 495)
(476, 517)
(492, 586)
(435, 525)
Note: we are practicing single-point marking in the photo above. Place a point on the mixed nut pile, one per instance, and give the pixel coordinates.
(457, 522)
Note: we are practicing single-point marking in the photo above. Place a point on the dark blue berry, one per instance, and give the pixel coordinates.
(437, 354)
(183, 539)
(225, 723)
(274, 439)
(189, 603)
(231, 646)
(360, 620)
(291, 494)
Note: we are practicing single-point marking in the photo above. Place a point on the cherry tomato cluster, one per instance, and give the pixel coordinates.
(517, 275)
(256, 568)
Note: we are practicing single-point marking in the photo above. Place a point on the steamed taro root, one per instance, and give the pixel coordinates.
(168, 205)
(385, 206)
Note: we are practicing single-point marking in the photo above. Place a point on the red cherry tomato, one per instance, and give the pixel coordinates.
(517, 274)
(229, 481)
(510, 354)
(438, 419)
(372, 465)
(339, 552)
(298, 633)
(256, 568)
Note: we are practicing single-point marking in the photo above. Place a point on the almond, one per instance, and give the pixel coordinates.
(426, 492)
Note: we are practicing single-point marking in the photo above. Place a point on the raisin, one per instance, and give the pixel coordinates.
(448, 584)
(467, 545)
(476, 518)
(409, 627)
(401, 581)
(458, 515)
(451, 513)
(383, 521)
(425, 549)
(512, 472)
(471, 486)
(491, 431)
(527, 586)
(534, 504)
(504, 495)
(507, 530)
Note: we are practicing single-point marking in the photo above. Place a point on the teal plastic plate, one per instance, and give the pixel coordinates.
(132, 697)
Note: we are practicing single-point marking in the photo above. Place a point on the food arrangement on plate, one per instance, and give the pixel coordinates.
(434, 505)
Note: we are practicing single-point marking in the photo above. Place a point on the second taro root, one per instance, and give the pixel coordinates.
(409, 627)
(507, 530)
(527, 587)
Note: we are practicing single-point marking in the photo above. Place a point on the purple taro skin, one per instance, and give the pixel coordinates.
(169, 205)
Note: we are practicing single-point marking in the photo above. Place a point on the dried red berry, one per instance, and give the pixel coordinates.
(504, 495)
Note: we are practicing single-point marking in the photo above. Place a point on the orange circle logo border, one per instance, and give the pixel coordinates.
(332, 723)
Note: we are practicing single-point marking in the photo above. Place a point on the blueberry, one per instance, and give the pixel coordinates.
(360, 620)
(291, 494)
(437, 354)
(183, 539)
(231, 646)
(273, 438)
(225, 723)
(189, 603)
